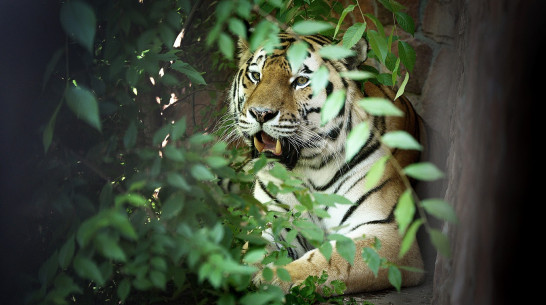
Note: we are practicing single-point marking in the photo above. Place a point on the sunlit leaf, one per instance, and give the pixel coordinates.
(375, 173)
(310, 27)
(378, 43)
(353, 34)
(332, 106)
(395, 277)
(79, 22)
(440, 209)
(254, 256)
(296, 54)
(335, 52)
(404, 211)
(423, 171)
(400, 139)
(356, 139)
(344, 246)
(379, 106)
(372, 259)
(347, 10)
(326, 250)
(357, 75)
(319, 80)
(237, 27)
(402, 86)
(283, 274)
(409, 237)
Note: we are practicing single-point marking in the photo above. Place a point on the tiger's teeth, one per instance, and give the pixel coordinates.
(278, 147)
(259, 145)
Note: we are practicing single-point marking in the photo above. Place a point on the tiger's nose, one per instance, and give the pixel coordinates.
(263, 115)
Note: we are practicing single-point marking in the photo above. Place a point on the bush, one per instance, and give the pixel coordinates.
(135, 210)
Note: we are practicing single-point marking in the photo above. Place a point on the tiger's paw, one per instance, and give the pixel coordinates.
(286, 281)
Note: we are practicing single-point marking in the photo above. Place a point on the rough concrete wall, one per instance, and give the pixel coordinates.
(475, 81)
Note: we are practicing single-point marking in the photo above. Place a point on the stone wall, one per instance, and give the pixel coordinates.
(474, 84)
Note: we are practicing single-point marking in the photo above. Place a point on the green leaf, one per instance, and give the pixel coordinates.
(296, 54)
(356, 139)
(268, 274)
(379, 106)
(330, 199)
(402, 86)
(226, 45)
(51, 66)
(375, 173)
(136, 200)
(130, 137)
(179, 128)
(392, 5)
(310, 27)
(347, 10)
(440, 242)
(377, 23)
(345, 247)
(385, 79)
(335, 52)
(440, 209)
(423, 171)
(332, 106)
(319, 80)
(88, 269)
(159, 279)
(404, 211)
(357, 75)
(189, 71)
(257, 298)
(123, 289)
(400, 139)
(372, 259)
(109, 247)
(237, 27)
(47, 271)
(173, 206)
(83, 103)
(378, 43)
(283, 274)
(176, 180)
(353, 34)
(200, 172)
(254, 256)
(47, 136)
(261, 33)
(66, 253)
(326, 250)
(395, 277)
(407, 55)
(406, 22)
(409, 238)
(79, 22)
(216, 161)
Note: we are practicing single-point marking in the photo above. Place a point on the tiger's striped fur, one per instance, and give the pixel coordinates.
(276, 113)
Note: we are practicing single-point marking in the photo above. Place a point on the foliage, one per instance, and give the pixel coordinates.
(135, 213)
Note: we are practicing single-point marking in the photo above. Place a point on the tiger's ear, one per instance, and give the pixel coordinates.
(361, 50)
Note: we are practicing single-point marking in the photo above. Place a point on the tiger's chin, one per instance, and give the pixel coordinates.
(280, 149)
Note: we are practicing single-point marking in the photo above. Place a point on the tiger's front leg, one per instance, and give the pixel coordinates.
(358, 277)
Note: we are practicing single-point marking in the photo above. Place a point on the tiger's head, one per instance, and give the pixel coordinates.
(275, 110)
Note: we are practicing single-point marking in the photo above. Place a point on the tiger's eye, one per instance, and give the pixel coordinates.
(255, 76)
(302, 80)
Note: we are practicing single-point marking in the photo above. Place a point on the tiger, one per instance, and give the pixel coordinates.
(276, 113)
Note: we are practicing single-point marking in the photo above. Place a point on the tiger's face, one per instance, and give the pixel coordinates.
(275, 109)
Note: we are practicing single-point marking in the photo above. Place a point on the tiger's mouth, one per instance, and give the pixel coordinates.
(280, 148)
